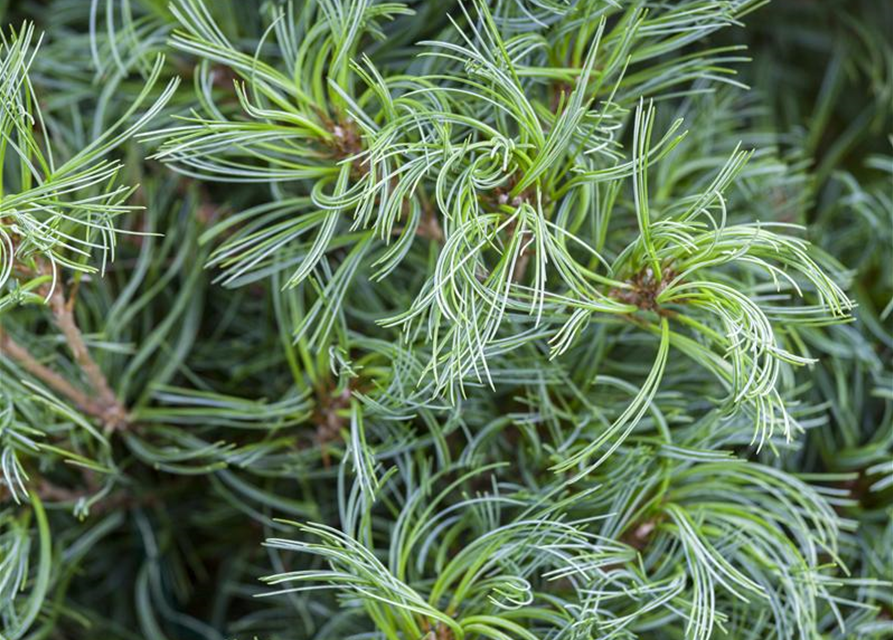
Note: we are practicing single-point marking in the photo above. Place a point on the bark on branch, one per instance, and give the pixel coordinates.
(103, 404)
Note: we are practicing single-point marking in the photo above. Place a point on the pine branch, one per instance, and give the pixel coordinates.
(54, 380)
(102, 404)
(106, 406)
(437, 320)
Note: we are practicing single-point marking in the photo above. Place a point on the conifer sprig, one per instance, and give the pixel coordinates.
(465, 320)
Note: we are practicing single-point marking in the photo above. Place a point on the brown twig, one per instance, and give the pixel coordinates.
(645, 290)
(113, 413)
(104, 405)
(328, 419)
(439, 631)
(20, 354)
(346, 142)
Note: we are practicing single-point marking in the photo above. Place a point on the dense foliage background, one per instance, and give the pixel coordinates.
(506, 319)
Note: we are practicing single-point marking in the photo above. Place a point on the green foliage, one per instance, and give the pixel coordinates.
(507, 320)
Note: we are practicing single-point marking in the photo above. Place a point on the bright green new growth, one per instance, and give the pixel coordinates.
(514, 320)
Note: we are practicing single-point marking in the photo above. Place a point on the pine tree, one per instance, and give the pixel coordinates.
(506, 320)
